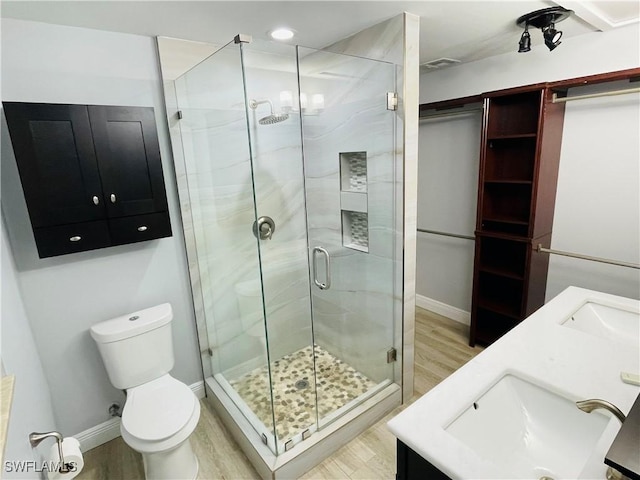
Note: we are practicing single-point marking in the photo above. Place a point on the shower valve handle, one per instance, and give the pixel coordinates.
(264, 228)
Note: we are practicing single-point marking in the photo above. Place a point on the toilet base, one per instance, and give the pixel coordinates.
(179, 463)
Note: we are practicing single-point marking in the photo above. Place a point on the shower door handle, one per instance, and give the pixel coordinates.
(327, 264)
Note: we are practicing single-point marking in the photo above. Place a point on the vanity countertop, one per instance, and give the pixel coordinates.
(6, 397)
(571, 363)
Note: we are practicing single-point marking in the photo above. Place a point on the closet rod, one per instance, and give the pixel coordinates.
(540, 248)
(556, 99)
(451, 114)
(446, 234)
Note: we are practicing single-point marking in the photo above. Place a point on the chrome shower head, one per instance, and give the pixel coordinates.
(273, 119)
(269, 119)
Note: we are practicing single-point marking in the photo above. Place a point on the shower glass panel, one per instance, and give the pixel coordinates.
(271, 84)
(349, 187)
(219, 173)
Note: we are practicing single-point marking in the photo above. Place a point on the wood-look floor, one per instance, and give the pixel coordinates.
(440, 348)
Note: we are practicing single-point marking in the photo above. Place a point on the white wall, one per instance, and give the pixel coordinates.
(586, 54)
(598, 199)
(31, 409)
(449, 158)
(64, 296)
(597, 196)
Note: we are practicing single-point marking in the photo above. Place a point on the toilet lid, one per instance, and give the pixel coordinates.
(158, 409)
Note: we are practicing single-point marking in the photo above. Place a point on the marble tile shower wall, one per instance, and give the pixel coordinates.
(358, 309)
(222, 207)
(219, 172)
(279, 189)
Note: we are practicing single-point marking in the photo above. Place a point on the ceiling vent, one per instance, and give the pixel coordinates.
(440, 63)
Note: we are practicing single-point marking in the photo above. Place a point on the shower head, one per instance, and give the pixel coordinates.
(269, 119)
(273, 119)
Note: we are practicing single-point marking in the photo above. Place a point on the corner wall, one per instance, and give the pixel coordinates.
(64, 296)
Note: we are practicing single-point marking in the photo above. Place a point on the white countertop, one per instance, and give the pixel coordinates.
(568, 362)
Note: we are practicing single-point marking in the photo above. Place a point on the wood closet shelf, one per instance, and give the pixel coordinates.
(519, 157)
(512, 135)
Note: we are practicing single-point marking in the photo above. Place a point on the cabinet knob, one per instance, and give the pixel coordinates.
(113, 198)
(142, 228)
(75, 238)
(96, 200)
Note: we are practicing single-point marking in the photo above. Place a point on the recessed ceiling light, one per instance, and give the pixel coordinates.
(281, 34)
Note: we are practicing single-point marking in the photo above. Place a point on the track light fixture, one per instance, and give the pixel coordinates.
(551, 36)
(525, 40)
(545, 20)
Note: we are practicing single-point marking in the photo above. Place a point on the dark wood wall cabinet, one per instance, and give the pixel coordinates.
(519, 158)
(91, 174)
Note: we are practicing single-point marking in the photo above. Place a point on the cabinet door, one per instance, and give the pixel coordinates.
(56, 161)
(126, 143)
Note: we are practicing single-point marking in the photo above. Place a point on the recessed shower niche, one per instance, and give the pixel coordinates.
(354, 201)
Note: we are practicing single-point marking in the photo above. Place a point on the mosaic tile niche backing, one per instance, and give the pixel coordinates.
(294, 389)
(353, 167)
(359, 226)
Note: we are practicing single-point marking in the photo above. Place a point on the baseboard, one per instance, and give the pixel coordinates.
(198, 389)
(107, 431)
(449, 311)
(98, 435)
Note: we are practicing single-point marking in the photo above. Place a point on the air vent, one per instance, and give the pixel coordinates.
(440, 63)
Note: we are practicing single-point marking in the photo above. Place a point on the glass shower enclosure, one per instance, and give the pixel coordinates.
(289, 161)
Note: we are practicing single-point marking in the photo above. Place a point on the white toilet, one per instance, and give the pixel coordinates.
(160, 413)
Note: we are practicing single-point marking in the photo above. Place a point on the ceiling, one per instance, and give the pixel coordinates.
(462, 30)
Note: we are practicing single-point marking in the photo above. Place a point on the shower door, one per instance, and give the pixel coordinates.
(349, 140)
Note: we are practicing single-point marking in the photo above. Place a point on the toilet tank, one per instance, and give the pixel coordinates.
(136, 348)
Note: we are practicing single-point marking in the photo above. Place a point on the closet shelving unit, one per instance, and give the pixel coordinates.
(519, 158)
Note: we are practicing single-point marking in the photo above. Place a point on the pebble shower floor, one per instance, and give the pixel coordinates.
(294, 403)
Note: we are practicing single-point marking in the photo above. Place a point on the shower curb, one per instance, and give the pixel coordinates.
(304, 456)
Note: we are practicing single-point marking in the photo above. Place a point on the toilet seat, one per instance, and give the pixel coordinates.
(159, 415)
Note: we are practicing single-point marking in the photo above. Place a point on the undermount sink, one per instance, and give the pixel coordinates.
(606, 322)
(528, 431)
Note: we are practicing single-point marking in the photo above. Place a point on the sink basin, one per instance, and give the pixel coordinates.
(528, 431)
(607, 322)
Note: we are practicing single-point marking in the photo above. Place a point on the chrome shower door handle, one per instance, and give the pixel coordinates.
(327, 265)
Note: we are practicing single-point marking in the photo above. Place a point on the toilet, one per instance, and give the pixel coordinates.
(160, 413)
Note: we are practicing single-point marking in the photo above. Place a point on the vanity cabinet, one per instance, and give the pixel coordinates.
(519, 158)
(91, 174)
(411, 466)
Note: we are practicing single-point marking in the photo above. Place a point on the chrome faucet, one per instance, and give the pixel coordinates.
(594, 404)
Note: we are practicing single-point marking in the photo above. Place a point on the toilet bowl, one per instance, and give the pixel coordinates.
(160, 412)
